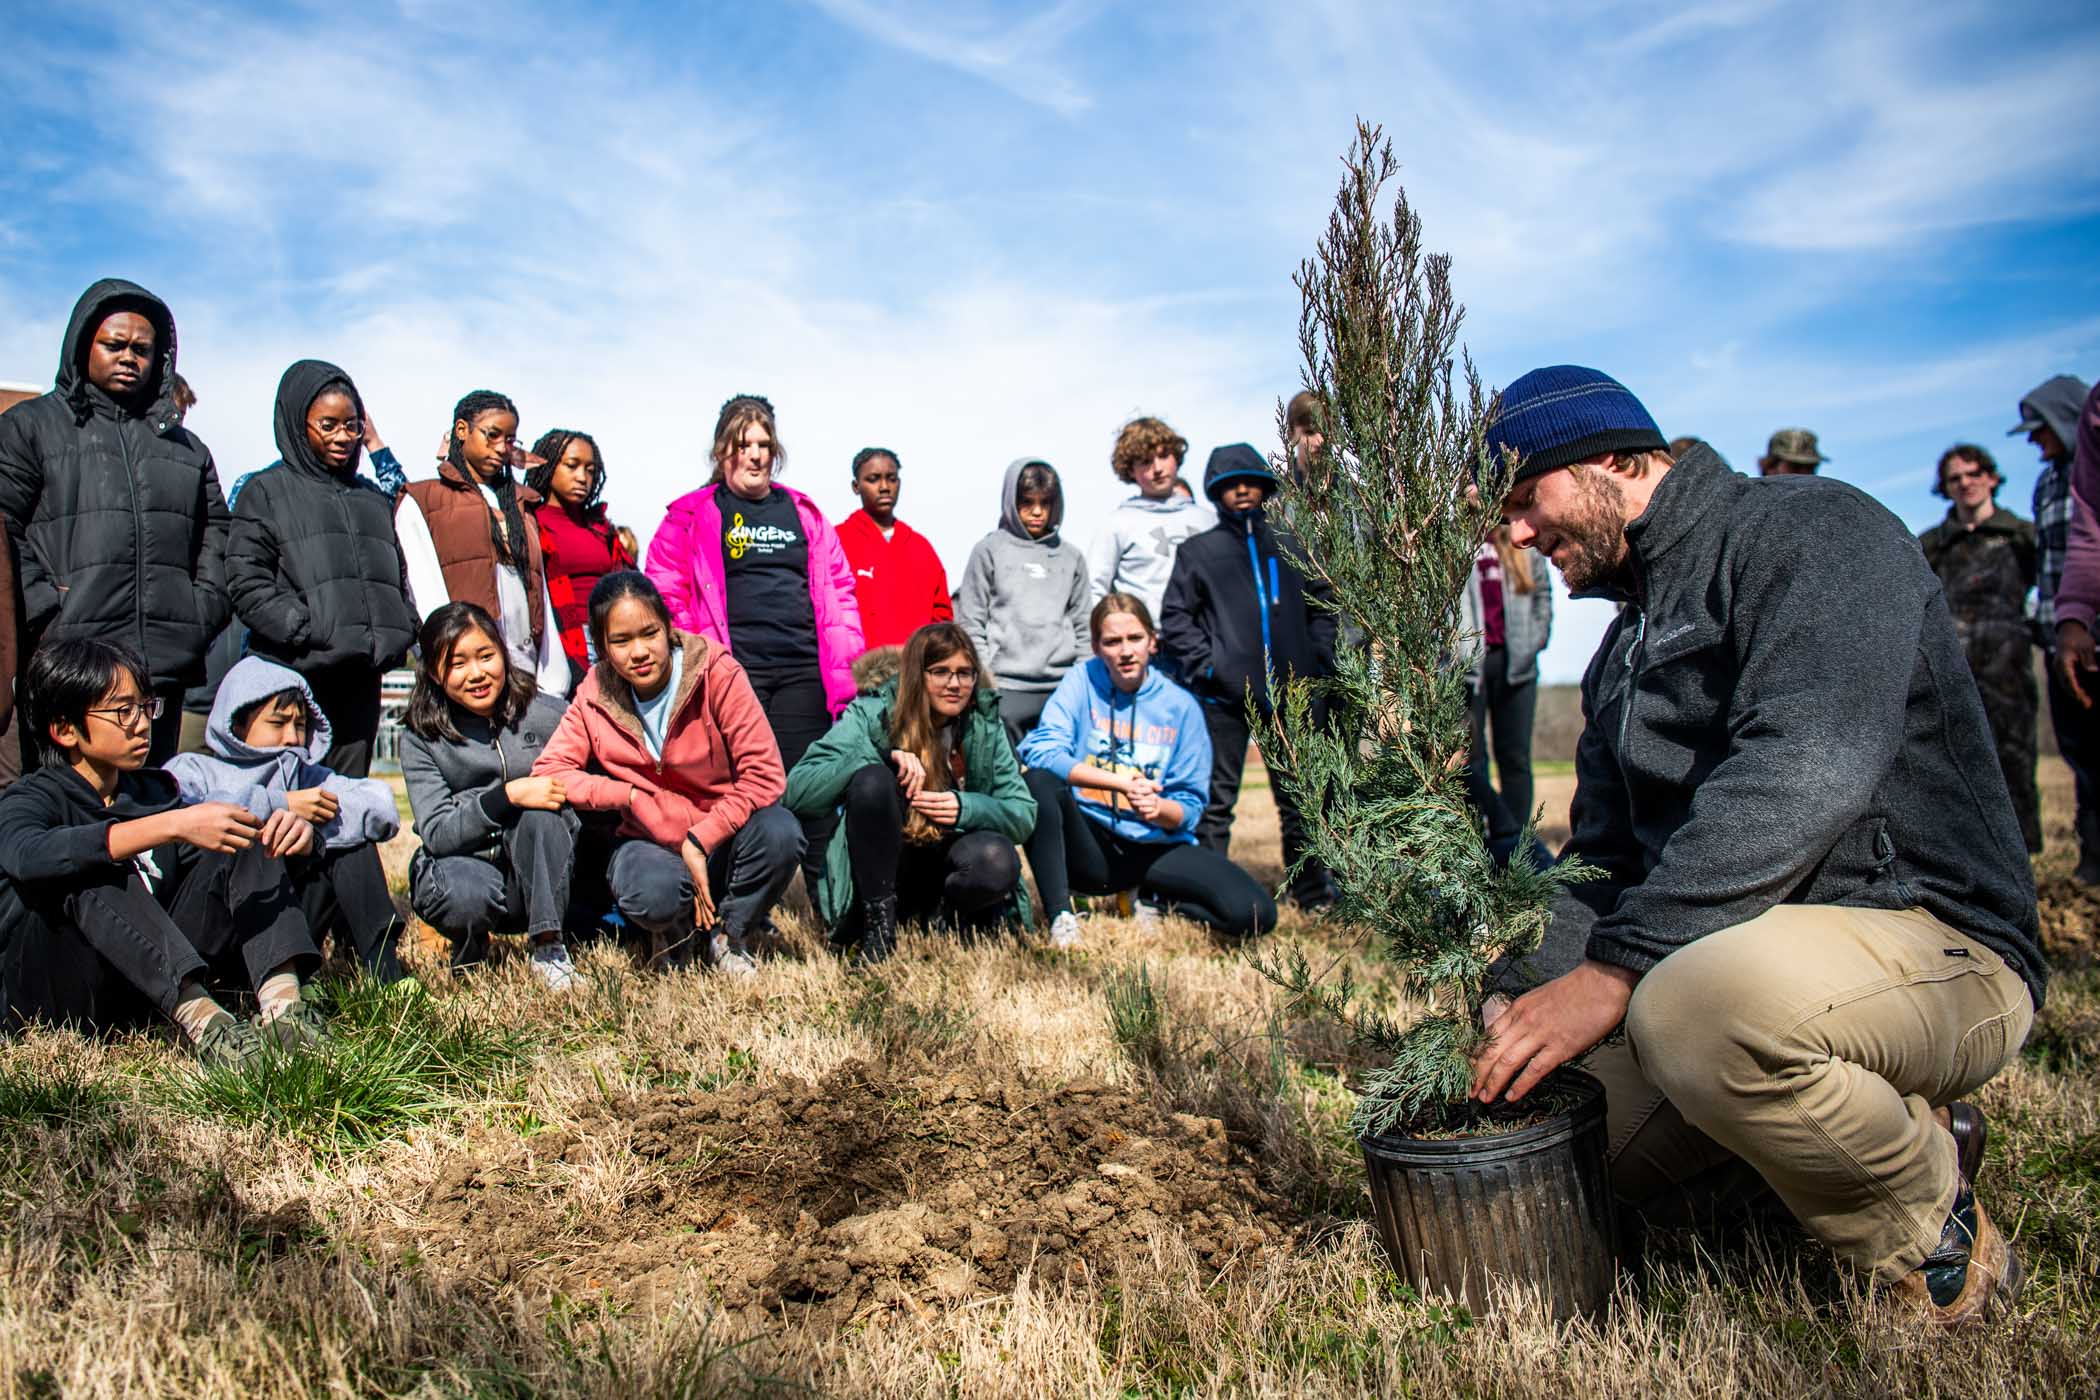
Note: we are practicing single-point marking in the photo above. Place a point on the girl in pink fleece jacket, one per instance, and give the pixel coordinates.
(666, 731)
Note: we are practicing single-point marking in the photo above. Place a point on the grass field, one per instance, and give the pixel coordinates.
(992, 1170)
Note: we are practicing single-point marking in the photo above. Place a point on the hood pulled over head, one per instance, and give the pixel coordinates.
(1236, 462)
(99, 302)
(1010, 501)
(250, 680)
(296, 392)
(2055, 404)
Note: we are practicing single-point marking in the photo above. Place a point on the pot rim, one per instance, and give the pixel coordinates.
(1585, 1114)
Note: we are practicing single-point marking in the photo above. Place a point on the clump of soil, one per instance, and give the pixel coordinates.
(2070, 919)
(865, 1193)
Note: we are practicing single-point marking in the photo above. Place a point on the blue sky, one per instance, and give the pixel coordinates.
(972, 231)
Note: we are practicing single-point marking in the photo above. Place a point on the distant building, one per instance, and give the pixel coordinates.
(12, 394)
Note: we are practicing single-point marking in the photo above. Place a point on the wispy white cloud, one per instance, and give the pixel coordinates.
(1020, 55)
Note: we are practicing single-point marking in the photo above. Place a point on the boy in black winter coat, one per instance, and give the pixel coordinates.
(1239, 614)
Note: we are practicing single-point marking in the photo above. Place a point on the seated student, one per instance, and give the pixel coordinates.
(267, 736)
(667, 732)
(499, 843)
(116, 899)
(1023, 595)
(1117, 765)
(931, 795)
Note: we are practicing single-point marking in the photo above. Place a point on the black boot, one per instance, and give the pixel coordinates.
(878, 933)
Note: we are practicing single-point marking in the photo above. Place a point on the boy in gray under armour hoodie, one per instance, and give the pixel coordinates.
(266, 737)
(1023, 596)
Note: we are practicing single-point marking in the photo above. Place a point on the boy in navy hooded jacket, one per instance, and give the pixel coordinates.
(1240, 613)
(266, 738)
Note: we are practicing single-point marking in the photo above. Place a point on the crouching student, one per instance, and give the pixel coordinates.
(667, 731)
(1118, 764)
(499, 843)
(117, 899)
(266, 738)
(931, 799)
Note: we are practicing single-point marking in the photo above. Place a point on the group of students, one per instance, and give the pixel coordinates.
(665, 743)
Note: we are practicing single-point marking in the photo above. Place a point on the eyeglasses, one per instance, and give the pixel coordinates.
(1959, 478)
(330, 428)
(128, 714)
(951, 675)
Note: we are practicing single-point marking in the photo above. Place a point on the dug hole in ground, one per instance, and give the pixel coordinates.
(986, 1170)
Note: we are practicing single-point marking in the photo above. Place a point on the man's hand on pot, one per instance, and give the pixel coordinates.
(1549, 1026)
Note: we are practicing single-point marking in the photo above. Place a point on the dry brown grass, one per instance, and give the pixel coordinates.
(501, 1247)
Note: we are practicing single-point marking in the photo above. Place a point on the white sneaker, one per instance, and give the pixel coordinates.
(551, 962)
(1064, 930)
(729, 960)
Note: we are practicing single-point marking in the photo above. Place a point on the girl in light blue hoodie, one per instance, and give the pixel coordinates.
(266, 737)
(1119, 765)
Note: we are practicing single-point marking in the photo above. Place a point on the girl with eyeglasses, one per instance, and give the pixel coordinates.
(313, 564)
(931, 795)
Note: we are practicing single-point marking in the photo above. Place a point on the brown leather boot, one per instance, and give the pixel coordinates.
(1972, 1276)
(1965, 1123)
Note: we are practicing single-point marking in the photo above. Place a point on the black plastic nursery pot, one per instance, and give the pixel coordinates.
(1532, 1206)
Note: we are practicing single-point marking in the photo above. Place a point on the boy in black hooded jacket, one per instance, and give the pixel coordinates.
(1239, 614)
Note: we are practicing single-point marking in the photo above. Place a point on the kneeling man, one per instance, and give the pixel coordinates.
(1816, 918)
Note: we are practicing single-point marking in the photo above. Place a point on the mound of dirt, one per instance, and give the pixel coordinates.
(864, 1193)
(2070, 919)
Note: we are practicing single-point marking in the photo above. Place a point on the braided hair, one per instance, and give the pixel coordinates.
(509, 536)
(549, 449)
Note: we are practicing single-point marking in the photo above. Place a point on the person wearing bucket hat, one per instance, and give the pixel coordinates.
(1791, 452)
(1814, 918)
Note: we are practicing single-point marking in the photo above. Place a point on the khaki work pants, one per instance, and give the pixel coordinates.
(1812, 1043)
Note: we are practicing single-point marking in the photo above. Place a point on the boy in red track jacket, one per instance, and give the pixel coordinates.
(897, 577)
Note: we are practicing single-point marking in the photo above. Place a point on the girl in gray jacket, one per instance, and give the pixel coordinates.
(499, 845)
(1024, 595)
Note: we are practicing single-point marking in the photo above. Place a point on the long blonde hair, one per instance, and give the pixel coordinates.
(1516, 563)
(913, 726)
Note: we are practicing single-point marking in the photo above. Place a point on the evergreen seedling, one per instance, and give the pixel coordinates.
(1391, 516)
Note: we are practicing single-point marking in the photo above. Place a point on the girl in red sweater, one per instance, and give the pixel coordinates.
(666, 731)
(580, 546)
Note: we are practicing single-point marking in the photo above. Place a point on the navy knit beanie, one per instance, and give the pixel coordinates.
(1565, 413)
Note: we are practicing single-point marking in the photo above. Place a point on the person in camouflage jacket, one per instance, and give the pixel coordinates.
(1985, 558)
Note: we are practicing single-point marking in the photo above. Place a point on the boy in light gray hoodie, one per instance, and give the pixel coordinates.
(266, 736)
(1023, 597)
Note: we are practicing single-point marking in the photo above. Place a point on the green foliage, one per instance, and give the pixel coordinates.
(1136, 1015)
(48, 1095)
(1391, 518)
(398, 1057)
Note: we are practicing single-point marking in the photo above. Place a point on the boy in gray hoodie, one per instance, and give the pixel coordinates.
(266, 736)
(1024, 595)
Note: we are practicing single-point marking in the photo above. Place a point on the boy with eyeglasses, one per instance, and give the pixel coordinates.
(117, 898)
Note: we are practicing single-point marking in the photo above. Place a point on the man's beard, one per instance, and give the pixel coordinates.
(1593, 554)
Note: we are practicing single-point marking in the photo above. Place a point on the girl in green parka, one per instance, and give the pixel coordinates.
(931, 800)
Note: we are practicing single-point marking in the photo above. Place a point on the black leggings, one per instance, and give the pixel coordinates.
(969, 876)
(799, 713)
(1070, 850)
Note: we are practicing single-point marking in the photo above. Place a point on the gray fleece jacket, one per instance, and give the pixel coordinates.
(1782, 714)
(260, 779)
(1025, 601)
(456, 790)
